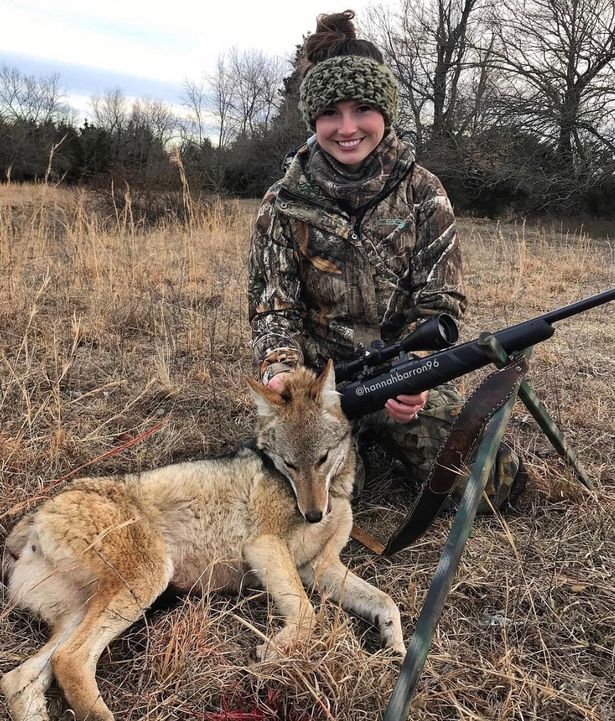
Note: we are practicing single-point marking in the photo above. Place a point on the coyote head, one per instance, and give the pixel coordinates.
(305, 433)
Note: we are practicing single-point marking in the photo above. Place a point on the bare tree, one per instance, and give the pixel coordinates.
(208, 103)
(111, 113)
(558, 57)
(239, 97)
(194, 127)
(31, 109)
(230, 106)
(110, 110)
(30, 98)
(221, 87)
(430, 46)
(255, 81)
(157, 117)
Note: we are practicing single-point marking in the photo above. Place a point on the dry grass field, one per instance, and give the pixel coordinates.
(109, 329)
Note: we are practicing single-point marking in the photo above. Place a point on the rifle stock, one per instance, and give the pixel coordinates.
(410, 377)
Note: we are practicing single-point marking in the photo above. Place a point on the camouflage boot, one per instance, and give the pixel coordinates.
(506, 483)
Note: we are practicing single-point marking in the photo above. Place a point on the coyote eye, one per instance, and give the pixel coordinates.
(290, 465)
(323, 458)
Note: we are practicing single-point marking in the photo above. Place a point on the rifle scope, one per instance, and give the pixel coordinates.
(439, 332)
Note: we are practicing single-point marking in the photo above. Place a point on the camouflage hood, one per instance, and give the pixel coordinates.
(317, 176)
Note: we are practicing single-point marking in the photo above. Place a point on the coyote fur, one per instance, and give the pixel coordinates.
(90, 560)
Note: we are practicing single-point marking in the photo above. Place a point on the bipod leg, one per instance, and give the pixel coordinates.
(541, 415)
(397, 709)
(490, 346)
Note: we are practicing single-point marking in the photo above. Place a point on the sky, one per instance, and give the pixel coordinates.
(147, 48)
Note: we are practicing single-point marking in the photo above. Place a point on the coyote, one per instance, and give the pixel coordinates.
(93, 558)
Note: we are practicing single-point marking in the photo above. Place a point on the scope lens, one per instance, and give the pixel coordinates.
(447, 328)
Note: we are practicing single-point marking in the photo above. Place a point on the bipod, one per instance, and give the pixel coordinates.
(416, 655)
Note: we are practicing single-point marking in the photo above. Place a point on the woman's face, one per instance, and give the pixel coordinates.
(349, 131)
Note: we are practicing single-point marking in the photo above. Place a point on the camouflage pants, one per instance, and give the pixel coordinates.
(416, 445)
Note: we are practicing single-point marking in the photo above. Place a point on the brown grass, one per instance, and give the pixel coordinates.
(106, 329)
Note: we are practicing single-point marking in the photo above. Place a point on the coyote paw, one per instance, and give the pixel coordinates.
(267, 652)
(398, 648)
(25, 698)
(389, 623)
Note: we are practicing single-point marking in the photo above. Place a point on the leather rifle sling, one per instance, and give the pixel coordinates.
(454, 453)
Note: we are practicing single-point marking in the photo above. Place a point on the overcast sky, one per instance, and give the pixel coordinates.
(147, 48)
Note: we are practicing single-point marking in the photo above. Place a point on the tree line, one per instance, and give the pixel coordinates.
(511, 103)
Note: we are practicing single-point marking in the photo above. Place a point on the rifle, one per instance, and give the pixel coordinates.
(383, 372)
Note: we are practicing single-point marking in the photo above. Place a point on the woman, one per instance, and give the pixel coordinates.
(357, 242)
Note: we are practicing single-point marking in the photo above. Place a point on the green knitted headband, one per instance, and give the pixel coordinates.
(348, 77)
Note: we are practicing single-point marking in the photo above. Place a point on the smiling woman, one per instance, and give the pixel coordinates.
(349, 131)
(357, 243)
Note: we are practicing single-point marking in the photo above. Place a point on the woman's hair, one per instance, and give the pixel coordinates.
(335, 35)
(337, 66)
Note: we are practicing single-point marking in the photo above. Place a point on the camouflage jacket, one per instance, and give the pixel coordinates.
(326, 280)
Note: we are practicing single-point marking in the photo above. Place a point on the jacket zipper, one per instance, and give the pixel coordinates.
(374, 201)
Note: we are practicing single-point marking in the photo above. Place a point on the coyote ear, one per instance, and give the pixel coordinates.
(326, 386)
(266, 399)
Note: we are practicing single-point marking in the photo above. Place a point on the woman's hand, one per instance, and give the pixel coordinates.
(404, 409)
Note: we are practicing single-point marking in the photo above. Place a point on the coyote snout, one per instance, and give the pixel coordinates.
(90, 560)
(312, 494)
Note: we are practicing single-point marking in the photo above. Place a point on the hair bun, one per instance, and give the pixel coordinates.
(335, 35)
(339, 23)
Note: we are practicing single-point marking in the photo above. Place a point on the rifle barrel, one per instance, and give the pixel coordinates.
(580, 306)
